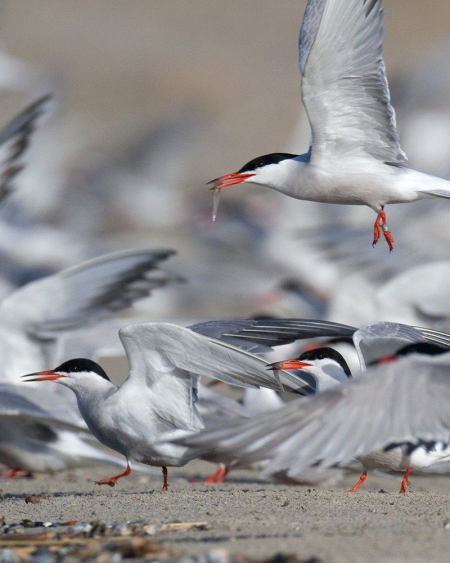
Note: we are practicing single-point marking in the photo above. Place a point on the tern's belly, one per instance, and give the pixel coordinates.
(396, 460)
(350, 183)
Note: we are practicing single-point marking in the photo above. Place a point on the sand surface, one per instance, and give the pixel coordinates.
(250, 516)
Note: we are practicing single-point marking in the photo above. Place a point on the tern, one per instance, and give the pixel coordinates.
(327, 365)
(159, 397)
(355, 156)
(382, 419)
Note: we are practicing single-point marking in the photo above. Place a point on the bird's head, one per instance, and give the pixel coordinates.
(326, 365)
(74, 374)
(267, 170)
(257, 171)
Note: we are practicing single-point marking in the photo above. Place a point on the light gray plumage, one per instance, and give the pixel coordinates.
(39, 433)
(344, 87)
(34, 318)
(173, 348)
(403, 402)
(36, 315)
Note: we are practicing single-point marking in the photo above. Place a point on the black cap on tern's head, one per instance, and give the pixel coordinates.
(250, 169)
(308, 358)
(81, 365)
(265, 160)
(424, 348)
(66, 369)
(325, 353)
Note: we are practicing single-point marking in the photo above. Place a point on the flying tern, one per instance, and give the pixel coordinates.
(355, 156)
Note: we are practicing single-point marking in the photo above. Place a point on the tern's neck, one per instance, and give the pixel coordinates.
(327, 373)
(285, 176)
(89, 386)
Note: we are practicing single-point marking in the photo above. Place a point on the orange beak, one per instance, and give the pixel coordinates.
(229, 180)
(289, 364)
(43, 376)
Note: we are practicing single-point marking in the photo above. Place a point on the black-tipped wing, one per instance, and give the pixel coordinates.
(260, 336)
(396, 403)
(15, 139)
(88, 292)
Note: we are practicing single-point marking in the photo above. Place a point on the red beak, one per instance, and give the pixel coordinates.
(44, 376)
(229, 180)
(289, 364)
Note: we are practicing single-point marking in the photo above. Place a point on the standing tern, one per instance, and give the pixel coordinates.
(355, 156)
(160, 394)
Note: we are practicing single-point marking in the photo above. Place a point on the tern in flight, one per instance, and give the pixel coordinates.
(355, 156)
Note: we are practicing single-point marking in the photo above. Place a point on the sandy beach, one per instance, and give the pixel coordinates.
(242, 518)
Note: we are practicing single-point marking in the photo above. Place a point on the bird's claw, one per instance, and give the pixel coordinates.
(106, 482)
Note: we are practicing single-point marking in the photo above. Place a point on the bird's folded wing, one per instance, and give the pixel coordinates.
(261, 335)
(395, 403)
(154, 349)
(15, 140)
(86, 293)
(344, 87)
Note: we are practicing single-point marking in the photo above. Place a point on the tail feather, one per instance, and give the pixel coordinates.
(437, 193)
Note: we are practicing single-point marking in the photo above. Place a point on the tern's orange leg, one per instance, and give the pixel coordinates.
(112, 480)
(212, 478)
(379, 227)
(405, 481)
(221, 478)
(359, 483)
(165, 486)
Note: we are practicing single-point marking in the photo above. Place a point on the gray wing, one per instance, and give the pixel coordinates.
(156, 349)
(379, 340)
(259, 336)
(217, 409)
(13, 404)
(344, 87)
(14, 141)
(402, 402)
(90, 291)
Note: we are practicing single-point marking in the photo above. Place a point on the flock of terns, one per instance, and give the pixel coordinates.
(379, 394)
